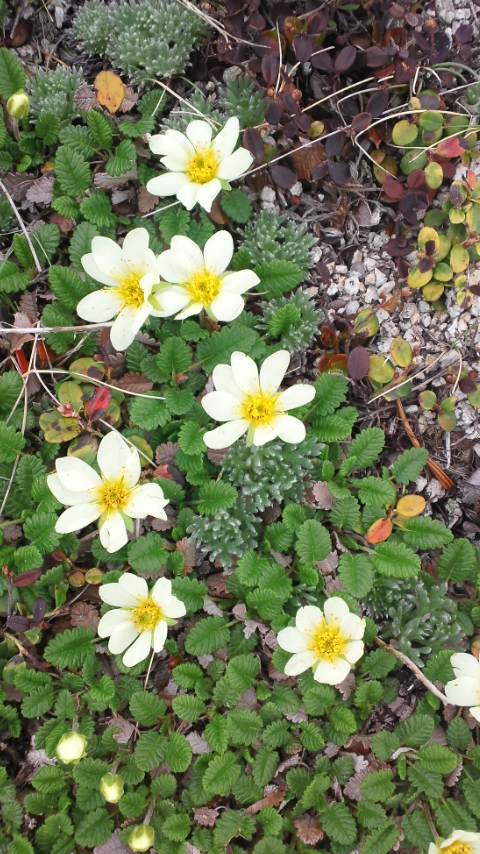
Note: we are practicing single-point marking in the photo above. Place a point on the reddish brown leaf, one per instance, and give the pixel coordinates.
(26, 579)
(345, 59)
(358, 363)
(379, 531)
(134, 382)
(84, 615)
(98, 404)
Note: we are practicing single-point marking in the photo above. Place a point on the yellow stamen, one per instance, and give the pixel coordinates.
(327, 642)
(259, 409)
(204, 287)
(129, 291)
(203, 166)
(146, 615)
(113, 495)
(458, 848)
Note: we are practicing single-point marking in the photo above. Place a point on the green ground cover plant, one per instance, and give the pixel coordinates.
(230, 622)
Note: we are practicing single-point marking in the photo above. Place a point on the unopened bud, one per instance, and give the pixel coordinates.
(141, 838)
(18, 105)
(111, 787)
(71, 748)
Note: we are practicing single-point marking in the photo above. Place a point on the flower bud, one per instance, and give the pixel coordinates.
(141, 838)
(18, 105)
(111, 787)
(71, 747)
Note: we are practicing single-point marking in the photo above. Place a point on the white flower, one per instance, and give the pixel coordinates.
(71, 748)
(198, 279)
(328, 641)
(459, 842)
(464, 690)
(140, 618)
(197, 165)
(252, 403)
(109, 497)
(128, 274)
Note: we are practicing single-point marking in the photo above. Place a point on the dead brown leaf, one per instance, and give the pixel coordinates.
(308, 829)
(129, 100)
(189, 551)
(146, 201)
(135, 382)
(83, 615)
(40, 191)
(273, 797)
(205, 817)
(85, 98)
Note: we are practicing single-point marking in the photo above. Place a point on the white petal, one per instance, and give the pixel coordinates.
(291, 640)
(171, 142)
(147, 500)
(273, 371)
(135, 248)
(332, 672)
(290, 429)
(76, 475)
(462, 836)
(240, 281)
(352, 627)
(308, 618)
(335, 609)
(221, 406)
(475, 713)
(433, 849)
(463, 692)
(75, 518)
(92, 269)
(139, 650)
(222, 376)
(245, 372)
(264, 433)
(118, 595)
(159, 636)
(136, 586)
(187, 194)
(99, 306)
(189, 310)
(167, 184)
(167, 301)
(177, 162)
(128, 322)
(173, 607)
(206, 193)
(122, 637)
(296, 395)
(353, 651)
(161, 589)
(66, 496)
(225, 435)
(116, 459)
(113, 594)
(235, 165)
(299, 662)
(465, 664)
(108, 256)
(181, 261)
(112, 619)
(113, 533)
(199, 133)
(226, 140)
(226, 307)
(170, 605)
(218, 252)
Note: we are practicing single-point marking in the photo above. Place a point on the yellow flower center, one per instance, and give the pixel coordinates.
(113, 495)
(458, 848)
(327, 642)
(146, 615)
(204, 287)
(259, 409)
(203, 166)
(129, 291)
